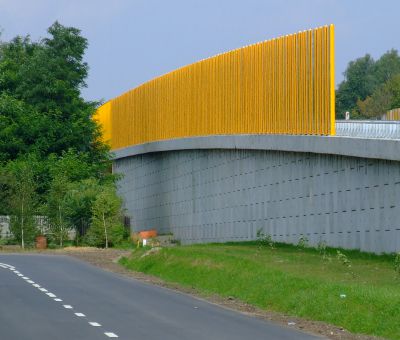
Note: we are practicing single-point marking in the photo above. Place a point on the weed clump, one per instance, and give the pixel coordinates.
(265, 240)
(322, 250)
(345, 261)
(303, 242)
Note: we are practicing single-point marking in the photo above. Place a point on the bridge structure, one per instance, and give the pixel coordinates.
(247, 141)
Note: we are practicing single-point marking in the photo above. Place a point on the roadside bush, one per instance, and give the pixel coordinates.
(118, 234)
(95, 237)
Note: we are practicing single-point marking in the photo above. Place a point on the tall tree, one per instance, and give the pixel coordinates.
(386, 67)
(41, 83)
(364, 91)
(358, 84)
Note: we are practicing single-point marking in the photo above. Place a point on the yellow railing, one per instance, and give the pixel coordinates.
(393, 114)
(280, 86)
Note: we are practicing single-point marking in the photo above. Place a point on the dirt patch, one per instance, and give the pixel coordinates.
(107, 259)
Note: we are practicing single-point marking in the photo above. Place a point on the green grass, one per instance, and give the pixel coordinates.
(287, 279)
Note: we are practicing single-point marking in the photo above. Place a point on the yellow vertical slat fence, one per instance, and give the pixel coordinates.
(393, 114)
(281, 86)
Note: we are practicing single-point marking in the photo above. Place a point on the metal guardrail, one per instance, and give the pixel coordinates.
(368, 129)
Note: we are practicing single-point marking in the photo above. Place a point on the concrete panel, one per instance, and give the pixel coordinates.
(221, 195)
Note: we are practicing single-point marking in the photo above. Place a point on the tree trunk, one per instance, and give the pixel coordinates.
(22, 225)
(105, 230)
(61, 227)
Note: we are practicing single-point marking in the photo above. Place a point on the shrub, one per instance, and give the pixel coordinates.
(265, 239)
(303, 242)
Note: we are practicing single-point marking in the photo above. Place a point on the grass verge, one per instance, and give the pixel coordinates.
(363, 297)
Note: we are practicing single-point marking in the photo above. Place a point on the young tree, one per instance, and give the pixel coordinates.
(22, 199)
(106, 225)
(56, 209)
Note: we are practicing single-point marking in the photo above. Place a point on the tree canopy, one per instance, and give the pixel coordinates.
(370, 87)
(41, 108)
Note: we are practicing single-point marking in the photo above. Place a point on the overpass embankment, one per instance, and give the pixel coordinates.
(246, 140)
(341, 190)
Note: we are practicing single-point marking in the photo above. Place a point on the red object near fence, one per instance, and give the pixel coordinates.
(146, 234)
(41, 242)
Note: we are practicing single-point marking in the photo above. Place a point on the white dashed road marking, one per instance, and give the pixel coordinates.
(111, 335)
(27, 279)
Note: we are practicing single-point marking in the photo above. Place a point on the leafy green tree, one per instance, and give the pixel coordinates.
(71, 165)
(394, 88)
(106, 227)
(45, 122)
(22, 198)
(386, 67)
(55, 73)
(13, 55)
(40, 84)
(22, 129)
(384, 98)
(358, 84)
(364, 91)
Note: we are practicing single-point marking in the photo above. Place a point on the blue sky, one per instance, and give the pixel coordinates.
(133, 41)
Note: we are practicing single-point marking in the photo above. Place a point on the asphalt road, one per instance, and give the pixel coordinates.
(60, 298)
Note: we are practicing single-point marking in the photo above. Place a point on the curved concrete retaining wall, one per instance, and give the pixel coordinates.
(218, 195)
(388, 149)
